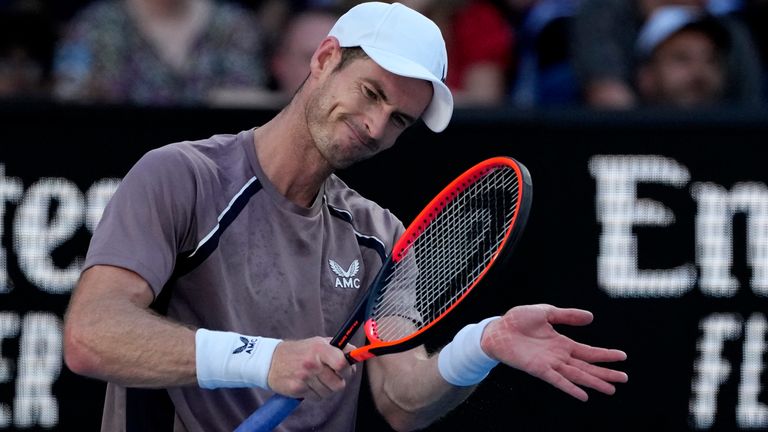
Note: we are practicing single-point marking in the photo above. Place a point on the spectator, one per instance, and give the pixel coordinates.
(480, 45)
(272, 16)
(157, 52)
(605, 33)
(303, 34)
(682, 54)
(289, 64)
(543, 74)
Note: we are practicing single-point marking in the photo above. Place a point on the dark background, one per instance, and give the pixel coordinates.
(555, 262)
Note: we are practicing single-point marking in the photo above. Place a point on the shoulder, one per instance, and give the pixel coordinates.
(197, 153)
(194, 162)
(171, 158)
(185, 178)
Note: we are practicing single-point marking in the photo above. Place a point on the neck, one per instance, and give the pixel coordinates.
(288, 156)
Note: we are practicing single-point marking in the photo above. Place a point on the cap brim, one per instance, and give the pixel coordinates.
(440, 109)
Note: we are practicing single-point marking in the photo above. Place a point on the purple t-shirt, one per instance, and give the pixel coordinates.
(272, 268)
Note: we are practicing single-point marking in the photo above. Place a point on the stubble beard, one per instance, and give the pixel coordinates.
(321, 122)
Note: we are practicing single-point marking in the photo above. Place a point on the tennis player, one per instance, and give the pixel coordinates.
(221, 266)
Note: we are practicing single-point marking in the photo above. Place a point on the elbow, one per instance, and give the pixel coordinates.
(78, 355)
(404, 422)
(400, 425)
(403, 419)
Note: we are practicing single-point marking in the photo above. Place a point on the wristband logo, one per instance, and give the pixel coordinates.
(346, 278)
(247, 345)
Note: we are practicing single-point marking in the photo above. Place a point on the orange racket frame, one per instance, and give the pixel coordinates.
(415, 229)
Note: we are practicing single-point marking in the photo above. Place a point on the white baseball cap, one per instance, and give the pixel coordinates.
(669, 20)
(404, 42)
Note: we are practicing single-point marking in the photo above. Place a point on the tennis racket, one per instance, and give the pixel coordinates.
(433, 266)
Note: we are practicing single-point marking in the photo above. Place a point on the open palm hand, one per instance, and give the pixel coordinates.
(524, 338)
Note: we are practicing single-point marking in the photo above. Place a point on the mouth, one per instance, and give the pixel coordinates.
(358, 136)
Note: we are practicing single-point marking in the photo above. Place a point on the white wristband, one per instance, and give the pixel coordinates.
(463, 362)
(226, 359)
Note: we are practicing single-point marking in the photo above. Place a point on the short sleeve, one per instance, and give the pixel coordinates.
(149, 218)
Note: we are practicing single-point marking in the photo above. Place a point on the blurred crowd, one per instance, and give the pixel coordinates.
(605, 54)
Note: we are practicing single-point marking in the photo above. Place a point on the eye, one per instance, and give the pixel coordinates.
(399, 121)
(369, 93)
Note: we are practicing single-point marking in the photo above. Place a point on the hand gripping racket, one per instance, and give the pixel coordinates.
(440, 258)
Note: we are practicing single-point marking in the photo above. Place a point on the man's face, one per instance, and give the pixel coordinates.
(685, 71)
(360, 110)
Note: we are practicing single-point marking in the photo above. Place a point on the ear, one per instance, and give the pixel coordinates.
(326, 57)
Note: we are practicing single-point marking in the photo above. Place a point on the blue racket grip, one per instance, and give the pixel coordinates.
(271, 414)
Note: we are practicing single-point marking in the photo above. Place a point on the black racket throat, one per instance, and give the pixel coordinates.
(363, 307)
(363, 310)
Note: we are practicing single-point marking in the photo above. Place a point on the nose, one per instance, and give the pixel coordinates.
(376, 122)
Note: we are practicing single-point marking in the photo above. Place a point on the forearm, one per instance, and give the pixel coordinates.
(116, 338)
(111, 334)
(409, 391)
(129, 346)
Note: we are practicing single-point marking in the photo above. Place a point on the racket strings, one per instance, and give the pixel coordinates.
(444, 260)
(479, 257)
(410, 278)
(453, 287)
(446, 244)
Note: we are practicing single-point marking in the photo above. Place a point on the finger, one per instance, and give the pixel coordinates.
(600, 372)
(324, 384)
(559, 381)
(349, 371)
(333, 358)
(335, 361)
(580, 377)
(331, 380)
(574, 317)
(597, 355)
(349, 348)
(316, 391)
(332, 368)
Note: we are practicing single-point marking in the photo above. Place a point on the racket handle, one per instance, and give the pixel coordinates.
(275, 410)
(271, 414)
